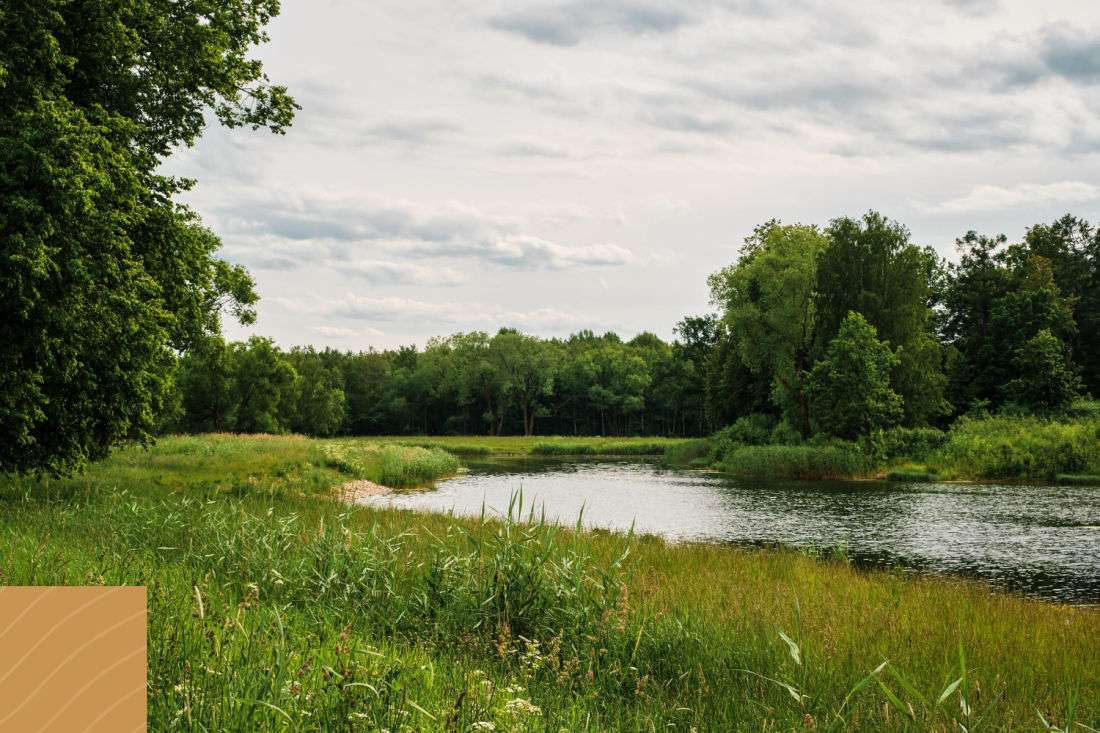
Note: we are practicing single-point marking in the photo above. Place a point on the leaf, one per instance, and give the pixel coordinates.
(792, 646)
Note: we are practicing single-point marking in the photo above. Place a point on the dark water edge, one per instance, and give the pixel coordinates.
(1038, 540)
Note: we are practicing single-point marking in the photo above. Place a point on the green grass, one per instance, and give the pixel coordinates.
(396, 466)
(274, 607)
(910, 476)
(517, 445)
(1025, 448)
(795, 462)
(1078, 479)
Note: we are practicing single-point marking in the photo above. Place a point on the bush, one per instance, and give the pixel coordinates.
(1020, 448)
(796, 462)
(913, 443)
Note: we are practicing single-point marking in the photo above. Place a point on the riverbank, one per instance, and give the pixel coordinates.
(1054, 450)
(273, 608)
(552, 445)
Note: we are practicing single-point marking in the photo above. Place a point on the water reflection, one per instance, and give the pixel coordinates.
(1041, 540)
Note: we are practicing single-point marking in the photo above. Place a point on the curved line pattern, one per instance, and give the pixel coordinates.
(105, 713)
(53, 629)
(66, 660)
(31, 605)
(91, 682)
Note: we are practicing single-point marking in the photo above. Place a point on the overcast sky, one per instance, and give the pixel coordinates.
(555, 166)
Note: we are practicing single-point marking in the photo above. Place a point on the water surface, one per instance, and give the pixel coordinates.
(1039, 540)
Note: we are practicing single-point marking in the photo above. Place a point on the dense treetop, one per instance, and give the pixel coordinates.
(102, 276)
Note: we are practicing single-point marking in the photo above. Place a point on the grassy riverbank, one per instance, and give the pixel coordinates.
(273, 607)
(1065, 449)
(554, 445)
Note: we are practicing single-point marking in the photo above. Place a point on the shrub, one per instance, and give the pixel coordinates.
(795, 462)
(913, 443)
(457, 449)
(1020, 448)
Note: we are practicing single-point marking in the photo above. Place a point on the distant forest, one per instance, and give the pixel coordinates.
(834, 331)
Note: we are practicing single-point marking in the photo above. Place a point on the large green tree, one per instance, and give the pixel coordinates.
(102, 275)
(768, 307)
(870, 267)
(850, 393)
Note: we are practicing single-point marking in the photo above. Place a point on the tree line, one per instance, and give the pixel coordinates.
(835, 331)
(471, 383)
(851, 328)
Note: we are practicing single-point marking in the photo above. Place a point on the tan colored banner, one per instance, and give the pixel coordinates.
(72, 659)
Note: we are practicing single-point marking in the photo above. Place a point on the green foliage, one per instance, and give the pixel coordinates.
(870, 267)
(395, 466)
(264, 385)
(319, 403)
(599, 448)
(689, 453)
(916, 444)
(849, 388)
(1020, 448)
(1044, 383)
(804, 462)
(1078, 479)
(103, 274)
(768, 308)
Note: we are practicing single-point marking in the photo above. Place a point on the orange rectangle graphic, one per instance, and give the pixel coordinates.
(72, 658)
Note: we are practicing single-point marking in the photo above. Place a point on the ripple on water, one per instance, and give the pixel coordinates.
(1040, 540)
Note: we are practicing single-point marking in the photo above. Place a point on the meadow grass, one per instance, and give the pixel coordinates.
(275, 607)
(807, 462)
(1078, 479)
(518, 445)
(1019, 448)
(396, 466)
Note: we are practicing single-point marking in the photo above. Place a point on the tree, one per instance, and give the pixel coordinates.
(205, 380)
(872, 268)
(526, 366)
(264, 387)
(849, 388)
(769, 309)
(1072, 247)
(1044, 380)
(319, 399)
(103, 275)
(974, 286)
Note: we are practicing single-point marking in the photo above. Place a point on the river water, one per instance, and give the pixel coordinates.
(1039, 540)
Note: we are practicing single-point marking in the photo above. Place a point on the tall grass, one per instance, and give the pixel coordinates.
(270, 610)
(795, 462)
(593, 448)
(1020, 448)
(396, 466)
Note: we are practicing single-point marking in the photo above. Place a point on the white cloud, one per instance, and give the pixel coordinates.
(445, 316)
(341, 332)
(315, 228)
(383, 272)
(992, 198)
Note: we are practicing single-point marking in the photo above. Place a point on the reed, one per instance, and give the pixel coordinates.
(271, 609)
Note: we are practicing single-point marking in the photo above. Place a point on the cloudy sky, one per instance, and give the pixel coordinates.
(554, 166)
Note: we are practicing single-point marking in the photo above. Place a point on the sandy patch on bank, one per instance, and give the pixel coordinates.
(353, 491)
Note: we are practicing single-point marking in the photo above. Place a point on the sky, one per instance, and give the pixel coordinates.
(557, 166)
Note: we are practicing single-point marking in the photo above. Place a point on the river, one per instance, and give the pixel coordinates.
(1042, 541)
